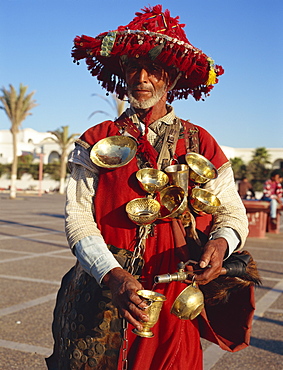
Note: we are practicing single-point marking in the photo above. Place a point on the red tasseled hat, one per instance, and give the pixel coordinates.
(155, 35)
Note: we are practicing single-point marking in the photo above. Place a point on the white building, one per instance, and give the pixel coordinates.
(276, 155)
(29, 142)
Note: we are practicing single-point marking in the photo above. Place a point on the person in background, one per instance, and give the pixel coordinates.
(273, 193)
(244, 188)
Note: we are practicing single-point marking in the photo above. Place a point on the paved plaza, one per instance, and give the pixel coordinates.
(35, 256)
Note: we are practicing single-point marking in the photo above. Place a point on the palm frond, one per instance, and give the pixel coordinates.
(99, 111)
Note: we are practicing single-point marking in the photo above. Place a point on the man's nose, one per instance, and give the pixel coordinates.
(143, 75)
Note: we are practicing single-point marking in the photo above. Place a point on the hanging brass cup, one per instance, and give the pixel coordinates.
(178, 175)
(113, 151)
(152, 180)
(202, 200)
(201, 169)
(189, 303)
(154, 302)
(173, 201)
(143, 211)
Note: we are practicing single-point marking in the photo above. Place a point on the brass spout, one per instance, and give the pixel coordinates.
(168, 278)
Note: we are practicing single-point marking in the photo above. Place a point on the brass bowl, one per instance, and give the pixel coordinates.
(189, 303)
(143, 211)
(204, 201)
(113, 151)
(152, 180)
(202, 170)
(173, 201)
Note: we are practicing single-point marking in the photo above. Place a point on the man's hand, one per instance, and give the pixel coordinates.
(213, 255)
(123, 287)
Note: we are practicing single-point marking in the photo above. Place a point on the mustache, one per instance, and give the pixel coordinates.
(141, 86)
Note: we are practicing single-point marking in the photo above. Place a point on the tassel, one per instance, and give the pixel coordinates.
(147, 151)
(211, 77)
(145, 148)
(189, 222)
(153, 53)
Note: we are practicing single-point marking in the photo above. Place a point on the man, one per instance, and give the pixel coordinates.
(151, 61)
(244, 187)
(273, 193)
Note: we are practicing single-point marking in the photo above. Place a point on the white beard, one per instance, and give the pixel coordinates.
(150, 102)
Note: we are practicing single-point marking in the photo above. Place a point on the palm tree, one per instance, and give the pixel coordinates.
(17, 106)
(63, 139)
(261, 155)
(116, 104)
(258, 167)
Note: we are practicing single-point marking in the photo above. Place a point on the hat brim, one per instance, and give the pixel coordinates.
(103, 58)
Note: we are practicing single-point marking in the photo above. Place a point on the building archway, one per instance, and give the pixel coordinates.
(53, 157)
(278, 164)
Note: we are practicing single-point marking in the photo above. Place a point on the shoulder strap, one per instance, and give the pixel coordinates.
(169, 144)
(191, 136)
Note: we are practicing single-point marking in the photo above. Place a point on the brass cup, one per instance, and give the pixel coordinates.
(113, 151)
(173, 201)
(152, 180)
(189, 303)
(202, 170)
(178, 175)
(143, 211)
(154, 301)
(202, 200)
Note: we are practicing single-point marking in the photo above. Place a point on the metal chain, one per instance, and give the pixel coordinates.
(144, 231)
(125, 345)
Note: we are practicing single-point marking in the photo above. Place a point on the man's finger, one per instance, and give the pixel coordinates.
(203, 263)
(137, 324)
(205, 258)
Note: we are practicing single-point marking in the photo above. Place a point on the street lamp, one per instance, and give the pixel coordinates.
(39, 152)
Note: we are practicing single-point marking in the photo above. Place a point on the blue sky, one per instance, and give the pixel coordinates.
(245, 108)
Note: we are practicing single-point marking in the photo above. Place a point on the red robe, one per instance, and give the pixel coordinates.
(176, 343)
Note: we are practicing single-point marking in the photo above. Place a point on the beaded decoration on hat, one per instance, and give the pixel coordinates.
(156, 35)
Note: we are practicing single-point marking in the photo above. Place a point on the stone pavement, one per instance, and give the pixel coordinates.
(35, 256)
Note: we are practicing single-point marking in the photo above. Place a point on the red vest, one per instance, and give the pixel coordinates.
(176, 341)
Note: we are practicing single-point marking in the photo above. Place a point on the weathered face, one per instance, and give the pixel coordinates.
(147, 82)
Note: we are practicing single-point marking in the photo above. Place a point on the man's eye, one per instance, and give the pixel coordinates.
(131, 70)
(155, 69)
(132, 67)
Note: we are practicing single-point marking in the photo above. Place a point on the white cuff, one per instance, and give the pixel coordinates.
(94, 256)
(230, 235)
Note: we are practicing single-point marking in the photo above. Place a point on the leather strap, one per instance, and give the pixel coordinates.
(191, 136)
(169, 144)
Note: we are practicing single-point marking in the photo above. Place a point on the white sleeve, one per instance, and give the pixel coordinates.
(94, 257)
(82, 232)
(231, 237)
(231, 213)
